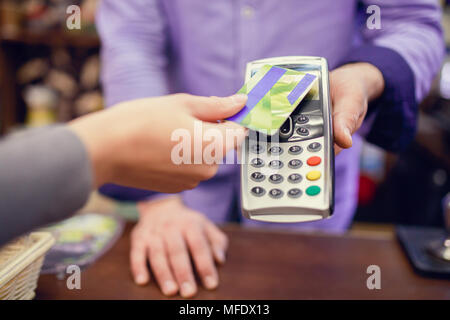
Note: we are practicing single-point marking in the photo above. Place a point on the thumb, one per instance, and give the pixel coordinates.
(214, 108)
(342, 131)
(346, 120)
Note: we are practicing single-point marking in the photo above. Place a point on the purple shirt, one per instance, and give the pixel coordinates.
(152, 48)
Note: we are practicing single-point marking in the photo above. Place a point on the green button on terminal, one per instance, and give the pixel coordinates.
(313, 191)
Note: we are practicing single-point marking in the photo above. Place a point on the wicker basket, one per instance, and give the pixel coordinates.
(20, 265)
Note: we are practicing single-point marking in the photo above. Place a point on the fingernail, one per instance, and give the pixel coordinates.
(187, 290)
(348, 134)
(141, 279)
(239, 99)
(169, 287)
(220, 255)
(211, 282)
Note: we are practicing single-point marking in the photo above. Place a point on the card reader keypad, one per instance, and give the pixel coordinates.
(294, 174)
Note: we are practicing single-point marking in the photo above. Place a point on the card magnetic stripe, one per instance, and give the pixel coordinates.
(300, 87)
(259, 91)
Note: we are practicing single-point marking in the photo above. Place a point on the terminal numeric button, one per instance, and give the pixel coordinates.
(258, 191)
(313, 191)
(256, 148)
(314, 147)
(302, 119)
(303, 131)
(276, 150)
(276, 178)
(276, 164)
(257, 162)
(257, 176)
(295, 193)
(295, 150)
(276, 193)
(295, 163)
(314, 161)
(295, 178)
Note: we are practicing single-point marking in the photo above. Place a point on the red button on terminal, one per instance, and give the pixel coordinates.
(313, 161)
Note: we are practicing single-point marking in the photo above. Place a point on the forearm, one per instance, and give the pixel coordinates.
(413, 30)
(395, 109)
(45, 176)
(407, 49)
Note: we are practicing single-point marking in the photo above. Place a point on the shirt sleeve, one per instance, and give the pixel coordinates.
(134, 62)
(45, 176)
(408, 49)
(134, 54)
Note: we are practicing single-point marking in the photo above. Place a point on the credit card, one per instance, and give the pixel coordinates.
(273, 93)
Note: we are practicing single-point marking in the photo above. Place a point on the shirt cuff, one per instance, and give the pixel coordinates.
(122, 193)
(395, 122)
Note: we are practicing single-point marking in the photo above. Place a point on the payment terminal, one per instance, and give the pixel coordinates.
(289, 176)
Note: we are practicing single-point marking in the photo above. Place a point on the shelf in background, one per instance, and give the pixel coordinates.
(51, 38)
(23, 39)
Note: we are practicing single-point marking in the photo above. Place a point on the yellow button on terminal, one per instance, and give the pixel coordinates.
(313, 175)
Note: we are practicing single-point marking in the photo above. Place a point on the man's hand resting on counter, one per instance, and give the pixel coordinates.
(352, 87)
(167, 235)
(131, 145)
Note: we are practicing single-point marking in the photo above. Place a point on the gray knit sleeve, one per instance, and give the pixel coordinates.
(45, 176)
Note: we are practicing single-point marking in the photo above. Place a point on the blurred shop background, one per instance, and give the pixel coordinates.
(50, 74)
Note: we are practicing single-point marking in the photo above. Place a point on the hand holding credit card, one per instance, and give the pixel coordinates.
(273, 93)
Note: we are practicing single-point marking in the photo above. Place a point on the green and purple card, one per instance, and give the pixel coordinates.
(273, 93)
